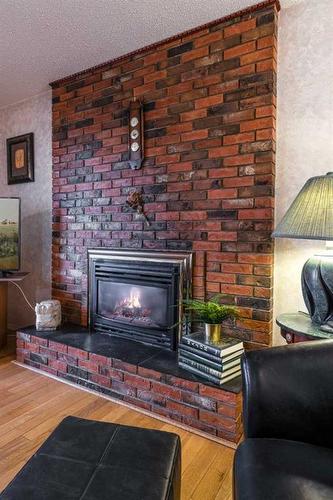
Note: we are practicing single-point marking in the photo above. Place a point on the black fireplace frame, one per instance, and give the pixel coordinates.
(170, 270)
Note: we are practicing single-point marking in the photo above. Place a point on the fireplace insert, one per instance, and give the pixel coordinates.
(138, 294)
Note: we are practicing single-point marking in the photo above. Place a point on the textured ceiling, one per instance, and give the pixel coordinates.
(44, 40)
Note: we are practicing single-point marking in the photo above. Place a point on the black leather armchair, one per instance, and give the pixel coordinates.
(288, 424)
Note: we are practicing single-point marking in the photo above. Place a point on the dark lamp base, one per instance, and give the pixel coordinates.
(317, 288)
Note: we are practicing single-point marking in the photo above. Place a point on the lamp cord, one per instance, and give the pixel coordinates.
(22, 292)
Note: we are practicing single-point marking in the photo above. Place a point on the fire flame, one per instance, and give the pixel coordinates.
(130, 309)
(133, 300)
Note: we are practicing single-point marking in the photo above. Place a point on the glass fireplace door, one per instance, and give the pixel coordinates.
(133, 303)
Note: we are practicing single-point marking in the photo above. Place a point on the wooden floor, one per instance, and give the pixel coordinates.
(31, 405)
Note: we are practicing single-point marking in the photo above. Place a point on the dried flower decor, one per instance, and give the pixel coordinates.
(135, 202)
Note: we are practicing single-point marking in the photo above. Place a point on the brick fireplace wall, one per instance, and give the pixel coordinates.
(208, 174)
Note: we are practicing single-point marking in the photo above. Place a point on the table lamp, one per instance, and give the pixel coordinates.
(310, 217)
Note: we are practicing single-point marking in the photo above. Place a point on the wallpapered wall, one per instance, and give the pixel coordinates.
(305, 131)
(33, 115)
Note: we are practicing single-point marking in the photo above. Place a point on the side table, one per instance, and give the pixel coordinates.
(4, 280)
(298, 327)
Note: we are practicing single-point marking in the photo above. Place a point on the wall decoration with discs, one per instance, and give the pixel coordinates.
(136, 144)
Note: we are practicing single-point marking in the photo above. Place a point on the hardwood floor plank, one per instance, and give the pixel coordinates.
(216, 476)
(32, 405)
(198, 468)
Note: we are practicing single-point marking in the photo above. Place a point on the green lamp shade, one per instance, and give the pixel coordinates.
(310, 216)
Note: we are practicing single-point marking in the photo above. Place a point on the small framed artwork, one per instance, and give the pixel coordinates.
(20, 159)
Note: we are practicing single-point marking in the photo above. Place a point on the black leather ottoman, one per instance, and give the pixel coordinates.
(89, 460)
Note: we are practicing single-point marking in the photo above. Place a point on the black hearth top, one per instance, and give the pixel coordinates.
(128, 351)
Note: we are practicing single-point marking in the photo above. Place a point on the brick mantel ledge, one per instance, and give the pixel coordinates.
(177, 395)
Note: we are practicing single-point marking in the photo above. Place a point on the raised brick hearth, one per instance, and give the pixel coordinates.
(149, 378)
(208, 174)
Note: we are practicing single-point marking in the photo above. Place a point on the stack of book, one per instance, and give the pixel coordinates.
(217, 362)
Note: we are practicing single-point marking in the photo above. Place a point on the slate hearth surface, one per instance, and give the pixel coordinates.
(125, 350)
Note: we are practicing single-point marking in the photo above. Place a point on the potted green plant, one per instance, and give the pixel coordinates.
(212, 313)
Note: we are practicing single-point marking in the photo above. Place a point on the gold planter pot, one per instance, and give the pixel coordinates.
(213, 332)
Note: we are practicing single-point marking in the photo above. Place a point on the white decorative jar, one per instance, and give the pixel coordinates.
(48, 315)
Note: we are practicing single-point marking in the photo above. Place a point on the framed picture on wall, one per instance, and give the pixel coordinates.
(20, 159)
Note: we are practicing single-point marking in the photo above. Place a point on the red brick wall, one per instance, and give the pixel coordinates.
(212, 410)
(208, 174)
